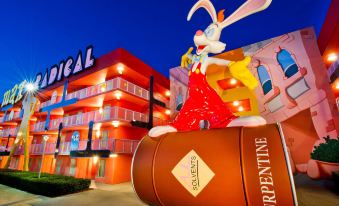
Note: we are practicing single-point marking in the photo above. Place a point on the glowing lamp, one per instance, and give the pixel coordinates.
(103, 88)
(168, 112)
(233, 81)
(19, 134)
(118, 95)
(95, 159)
(113, 155)
(337, 85)
(120, 68)
(240, 109)
(236, 103)
(168, 93)
(46, 137)
(97, 133)
(115, 123)
(332, 57)
(100, 110)
(30, 87)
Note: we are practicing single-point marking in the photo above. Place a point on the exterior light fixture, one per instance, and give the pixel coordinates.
(100, 110)
(168, 93)
(115, 123)
(120, 68)
(97, 133)
(236, 103)
(168, 112)
(19, 134)
(45, 137)
(233, 81)
(113, 155)
(332, 57)
(30, 87)
(118, 95)
(103, 88)
(241, 108)
(95, 159)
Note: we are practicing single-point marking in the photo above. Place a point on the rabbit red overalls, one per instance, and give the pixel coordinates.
(203, 103)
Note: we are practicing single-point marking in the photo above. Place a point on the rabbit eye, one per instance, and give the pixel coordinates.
(209, 32)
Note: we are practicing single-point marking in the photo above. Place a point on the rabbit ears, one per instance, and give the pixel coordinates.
(248, 8)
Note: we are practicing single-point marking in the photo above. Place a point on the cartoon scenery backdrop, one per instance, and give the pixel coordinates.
(294, 90)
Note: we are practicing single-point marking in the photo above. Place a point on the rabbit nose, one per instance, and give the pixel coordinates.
(199, 33)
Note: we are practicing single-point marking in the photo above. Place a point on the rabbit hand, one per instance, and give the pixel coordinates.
(186, 59)
(239, 70)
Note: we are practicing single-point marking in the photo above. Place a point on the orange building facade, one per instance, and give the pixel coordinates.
(112, 94)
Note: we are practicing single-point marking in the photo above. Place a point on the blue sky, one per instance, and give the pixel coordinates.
(34, 35)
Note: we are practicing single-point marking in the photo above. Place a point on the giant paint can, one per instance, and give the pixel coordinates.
(231, 166)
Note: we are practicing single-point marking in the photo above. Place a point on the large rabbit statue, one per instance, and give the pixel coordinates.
(203, 105)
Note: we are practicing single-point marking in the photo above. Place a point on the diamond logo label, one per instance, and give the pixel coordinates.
(193, 173)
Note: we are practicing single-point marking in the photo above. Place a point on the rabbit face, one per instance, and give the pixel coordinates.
(208, 41)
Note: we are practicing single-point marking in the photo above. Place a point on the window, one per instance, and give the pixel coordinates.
(264, 79)
(58, 166)
(14, 163)
(287, 63)
(104, 139)
(101, 171)
(179, 100)
(72, 167)
(107, 111)
(30, 164)
(79, 118)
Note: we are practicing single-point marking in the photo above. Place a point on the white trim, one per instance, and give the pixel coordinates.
(288, 164)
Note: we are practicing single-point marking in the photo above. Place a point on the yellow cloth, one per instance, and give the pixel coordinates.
(240, 71)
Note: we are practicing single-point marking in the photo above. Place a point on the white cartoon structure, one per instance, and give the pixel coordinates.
(203, 106)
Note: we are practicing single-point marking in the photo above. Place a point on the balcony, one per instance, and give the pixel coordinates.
(9, 132)
(119, 146)
(82, 119)
(8, 117)
(37, 149)
(110, 85)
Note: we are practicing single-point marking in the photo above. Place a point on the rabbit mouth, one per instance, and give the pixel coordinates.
(200, 49)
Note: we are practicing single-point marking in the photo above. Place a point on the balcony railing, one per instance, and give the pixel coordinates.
(7, 118)
(112, 113)
(82, 119)
(19, 150)
(120, 146)
(38, 148)
(110, 85)
(8, 132)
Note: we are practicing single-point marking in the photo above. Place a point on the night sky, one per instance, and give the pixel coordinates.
(35, 35)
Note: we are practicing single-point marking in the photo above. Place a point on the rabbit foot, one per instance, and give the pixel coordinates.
(250, 121)
(160, 130)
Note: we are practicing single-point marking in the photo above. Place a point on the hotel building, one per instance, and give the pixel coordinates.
(106, 103)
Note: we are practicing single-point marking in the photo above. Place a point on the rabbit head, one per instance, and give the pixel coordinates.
(208, 41)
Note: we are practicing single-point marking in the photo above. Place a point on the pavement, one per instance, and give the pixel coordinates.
(309, 193)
